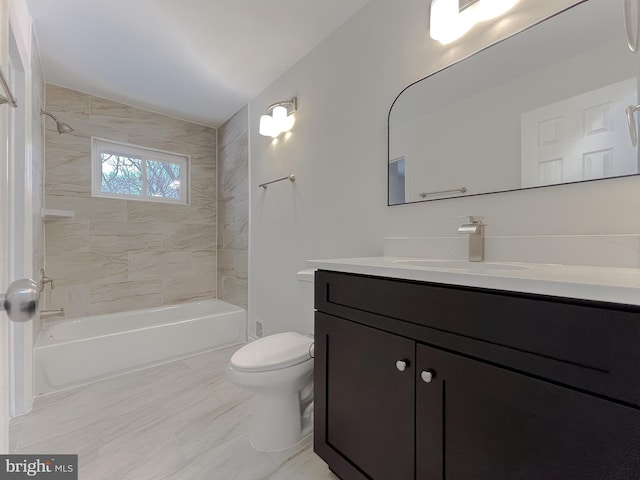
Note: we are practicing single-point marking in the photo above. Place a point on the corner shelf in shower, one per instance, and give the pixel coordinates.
(50, 214)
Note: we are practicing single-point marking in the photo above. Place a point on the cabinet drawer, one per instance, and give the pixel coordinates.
(590, 345)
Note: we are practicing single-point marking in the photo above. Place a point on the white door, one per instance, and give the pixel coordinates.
(16, 217)
(580, 138)
(20, 227)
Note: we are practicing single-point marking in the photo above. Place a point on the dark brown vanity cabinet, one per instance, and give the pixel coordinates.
(397, 398)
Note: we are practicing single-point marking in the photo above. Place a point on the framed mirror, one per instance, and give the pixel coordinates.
(553, 104)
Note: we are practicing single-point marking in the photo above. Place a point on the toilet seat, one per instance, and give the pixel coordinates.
(274, 352)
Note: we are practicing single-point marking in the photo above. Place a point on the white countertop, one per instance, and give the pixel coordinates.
(606, 284)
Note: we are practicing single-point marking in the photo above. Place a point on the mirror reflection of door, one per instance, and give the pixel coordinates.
(397, 181)
(580, 138)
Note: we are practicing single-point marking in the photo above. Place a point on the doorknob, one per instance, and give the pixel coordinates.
(631, 121)
(631, 21)
(21, 300)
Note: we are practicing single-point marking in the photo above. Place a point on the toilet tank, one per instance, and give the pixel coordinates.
(305, 299)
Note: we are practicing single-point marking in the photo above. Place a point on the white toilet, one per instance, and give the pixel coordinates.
(278, 369)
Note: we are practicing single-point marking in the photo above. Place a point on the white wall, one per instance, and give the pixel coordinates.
(338, 151)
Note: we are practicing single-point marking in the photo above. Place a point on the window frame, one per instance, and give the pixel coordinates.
(99, 145)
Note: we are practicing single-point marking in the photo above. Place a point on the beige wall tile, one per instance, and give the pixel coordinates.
(191, 133)
(90, 208)
(204, 264)
(77, 268)
(62, 99)
(158, 143)
(226, 261)
(120, 297)
(203, 154)
(68, 172)
(233, 210)
(73, 298)
(66, 236)
(124, 117)
(109, 236)
(154, 266)
(233, 128)
(242, 264)
(233, 290)
(188, 289)
(151, 212)
(190, 237)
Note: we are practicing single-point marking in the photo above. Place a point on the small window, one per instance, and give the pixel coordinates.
(131, 172)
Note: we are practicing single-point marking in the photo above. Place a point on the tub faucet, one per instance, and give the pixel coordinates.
(475, 230)
(44, 280)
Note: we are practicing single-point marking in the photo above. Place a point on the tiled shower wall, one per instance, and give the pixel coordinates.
(119, 255)
(233, 206)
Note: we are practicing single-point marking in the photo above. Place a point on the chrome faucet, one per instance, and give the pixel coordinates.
(44, 280)
(475, 230)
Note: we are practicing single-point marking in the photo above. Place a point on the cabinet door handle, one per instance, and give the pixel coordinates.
(402, 365)
(427, 375)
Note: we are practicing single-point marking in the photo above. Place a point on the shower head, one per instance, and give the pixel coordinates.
(61, 126)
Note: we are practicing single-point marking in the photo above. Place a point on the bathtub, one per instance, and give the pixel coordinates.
(74, 352)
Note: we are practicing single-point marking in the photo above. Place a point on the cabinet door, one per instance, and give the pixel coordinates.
(477, 421)
(364, 404)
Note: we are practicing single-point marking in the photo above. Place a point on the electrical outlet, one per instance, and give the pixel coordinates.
(258, 329)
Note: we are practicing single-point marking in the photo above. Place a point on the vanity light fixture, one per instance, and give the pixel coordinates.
(451, 19)
(279, 118)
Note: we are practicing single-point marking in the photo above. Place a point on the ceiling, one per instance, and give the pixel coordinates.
(198, 60)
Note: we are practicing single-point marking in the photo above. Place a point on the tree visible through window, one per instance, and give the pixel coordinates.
(122, 170)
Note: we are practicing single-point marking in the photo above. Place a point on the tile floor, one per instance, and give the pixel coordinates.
(182, 421)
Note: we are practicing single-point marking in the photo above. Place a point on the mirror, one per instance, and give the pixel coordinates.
(546, 106)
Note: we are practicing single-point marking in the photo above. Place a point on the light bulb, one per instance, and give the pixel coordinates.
(447, 23)
(279, 114)
(267, 126)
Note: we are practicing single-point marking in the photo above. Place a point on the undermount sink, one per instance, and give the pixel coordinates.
(462, 265)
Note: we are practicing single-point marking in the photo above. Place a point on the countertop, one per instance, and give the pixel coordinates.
(606, 284)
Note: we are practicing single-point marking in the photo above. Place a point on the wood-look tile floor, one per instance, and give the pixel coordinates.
(181, 421)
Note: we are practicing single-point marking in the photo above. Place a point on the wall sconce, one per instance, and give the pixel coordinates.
(451, 19)
(279, 118)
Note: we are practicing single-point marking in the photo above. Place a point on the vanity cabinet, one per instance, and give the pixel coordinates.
(401, 394)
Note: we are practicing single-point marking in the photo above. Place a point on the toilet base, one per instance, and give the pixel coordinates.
(277, 424)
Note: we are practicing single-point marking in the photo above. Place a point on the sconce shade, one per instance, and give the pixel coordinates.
(267, 125)
(448, 21)
(280, 118)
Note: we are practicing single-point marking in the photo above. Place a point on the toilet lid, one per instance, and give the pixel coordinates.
(273, 352)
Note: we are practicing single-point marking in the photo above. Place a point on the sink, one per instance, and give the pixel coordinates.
(462, 265)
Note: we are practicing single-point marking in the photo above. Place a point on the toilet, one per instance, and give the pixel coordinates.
(278, 369)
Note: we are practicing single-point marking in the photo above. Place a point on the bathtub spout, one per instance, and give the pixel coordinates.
(44, 314)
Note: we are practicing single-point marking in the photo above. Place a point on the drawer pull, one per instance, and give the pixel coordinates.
(402, 365)
(427, 375)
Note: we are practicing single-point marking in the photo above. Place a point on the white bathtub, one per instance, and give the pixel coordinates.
(73, 352)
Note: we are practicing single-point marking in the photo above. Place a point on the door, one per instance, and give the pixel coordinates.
(479, 421)
(16, 217)
(365, 412)
(580, 138)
